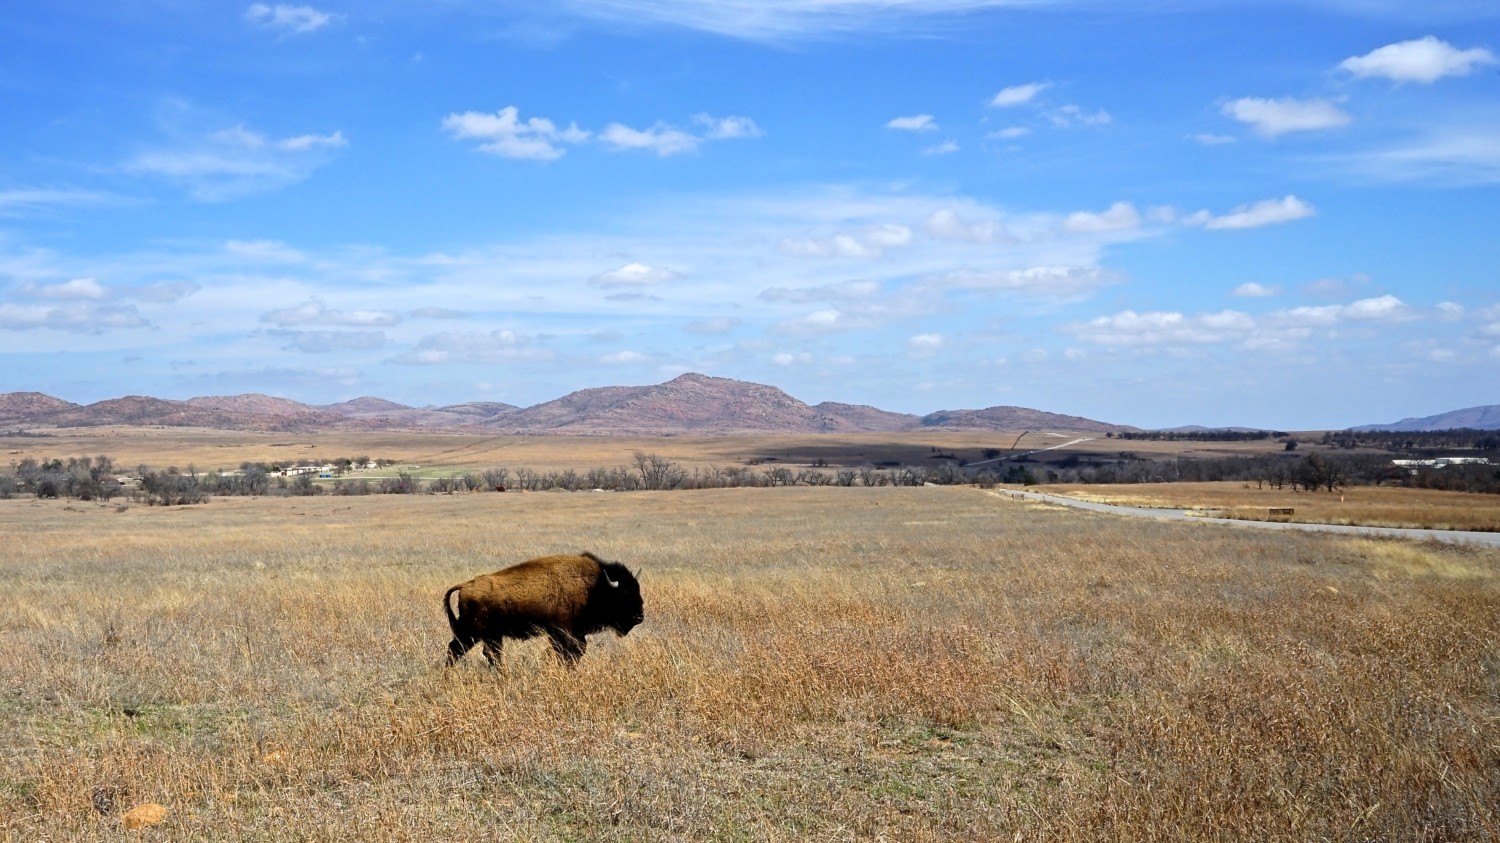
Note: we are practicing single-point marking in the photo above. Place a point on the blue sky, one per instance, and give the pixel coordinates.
(1280, 214)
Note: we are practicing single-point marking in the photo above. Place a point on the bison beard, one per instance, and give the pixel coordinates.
(566, 598)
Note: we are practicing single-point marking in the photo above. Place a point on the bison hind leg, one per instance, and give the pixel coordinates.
(456, 649)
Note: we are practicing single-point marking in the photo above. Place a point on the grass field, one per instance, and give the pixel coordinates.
(816, 664)
(208, 450)
(1370, 506)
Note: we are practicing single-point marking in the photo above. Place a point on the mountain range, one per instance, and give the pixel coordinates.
(688, 404)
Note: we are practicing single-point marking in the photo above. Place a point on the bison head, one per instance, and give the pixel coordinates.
(619, 595)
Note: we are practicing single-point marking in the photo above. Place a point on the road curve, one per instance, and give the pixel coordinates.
(1453, 536)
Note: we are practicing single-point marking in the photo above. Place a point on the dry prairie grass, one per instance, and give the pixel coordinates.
(208, 450)
(816, 664)
(1370, 506)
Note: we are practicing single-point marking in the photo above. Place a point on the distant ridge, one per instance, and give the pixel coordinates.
(1486, 417)
(688, 404)
(1018, 418)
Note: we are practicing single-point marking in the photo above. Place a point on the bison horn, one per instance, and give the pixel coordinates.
(612, 583)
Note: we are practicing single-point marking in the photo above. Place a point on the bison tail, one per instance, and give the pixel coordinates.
(448, 607)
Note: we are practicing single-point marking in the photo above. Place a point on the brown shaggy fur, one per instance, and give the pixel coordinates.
(565, 598)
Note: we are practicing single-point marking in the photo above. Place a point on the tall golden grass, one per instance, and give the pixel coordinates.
(1370, 506)
(816, 664)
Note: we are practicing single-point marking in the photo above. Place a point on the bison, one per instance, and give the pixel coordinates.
(564, 597)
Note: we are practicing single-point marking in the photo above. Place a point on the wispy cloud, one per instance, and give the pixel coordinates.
(314, 312)
(662, 139)
(1018, 94)
(287, 19)
(778, 20)
(1445, 155)
(234, 162)
(71, 316)
(498, 346)
(1265, 212)
(23, 200)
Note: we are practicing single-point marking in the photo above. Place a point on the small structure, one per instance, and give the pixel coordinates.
(1439, 462)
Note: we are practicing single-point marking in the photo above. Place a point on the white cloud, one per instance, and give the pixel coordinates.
(73, 316)
(925, 345)
(539, 139)
(1129, 328)
(1265, 212)
(713, 326)
(827, 321)
(1275, 117)
(634, 274)
(323, 342)
(1074, 115)
(1009, 133)
(90, 290)
(787, 358)
(914, 123)
(498, 346)
(313, 312)
(662, 139)
(1450, 311)
(1254, 290)
(623, 358)
(271, 251)
(76, 289)
(504, 134)
(727, 128)
(841, 291)
(1121, 216)
(1043, 282)
(296, 20)
(1423, 60)
(869, 243)
(1385, 308)
(1210, 139)
(1018, 94)
(302, 142)
(944, 148)
(946, 224)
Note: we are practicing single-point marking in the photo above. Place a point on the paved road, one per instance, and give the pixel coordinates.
(1455, 536)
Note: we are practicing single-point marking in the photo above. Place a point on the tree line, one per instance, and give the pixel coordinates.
(95, 478)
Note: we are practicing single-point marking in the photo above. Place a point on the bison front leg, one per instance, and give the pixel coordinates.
(568, 647)
(492, 651)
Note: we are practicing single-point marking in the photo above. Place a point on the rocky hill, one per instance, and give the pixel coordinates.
(693, 403)
(1017, 418)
